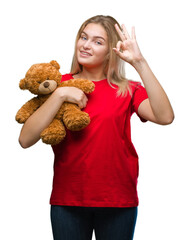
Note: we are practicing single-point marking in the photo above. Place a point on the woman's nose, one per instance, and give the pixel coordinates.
(87, 45)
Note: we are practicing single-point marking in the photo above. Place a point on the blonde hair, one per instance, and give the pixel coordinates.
(114, 66)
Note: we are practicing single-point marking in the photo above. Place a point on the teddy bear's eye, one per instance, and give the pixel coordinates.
(47, 78)
(38, 82)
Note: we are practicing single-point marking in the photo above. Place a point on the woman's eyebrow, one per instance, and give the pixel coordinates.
(94, 36)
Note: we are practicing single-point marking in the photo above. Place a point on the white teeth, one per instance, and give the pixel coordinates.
(85, 53)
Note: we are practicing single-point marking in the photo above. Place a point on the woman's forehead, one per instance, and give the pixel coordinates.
(95, 30)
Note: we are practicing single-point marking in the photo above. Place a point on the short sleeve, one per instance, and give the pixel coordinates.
(139, 95)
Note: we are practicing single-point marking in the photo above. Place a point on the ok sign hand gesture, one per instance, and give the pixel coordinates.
(127, 49)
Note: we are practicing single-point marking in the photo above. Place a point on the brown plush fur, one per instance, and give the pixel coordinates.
(38, 80)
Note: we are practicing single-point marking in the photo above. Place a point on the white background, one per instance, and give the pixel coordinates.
(40, 31)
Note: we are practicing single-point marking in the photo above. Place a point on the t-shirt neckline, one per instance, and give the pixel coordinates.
(92, 80)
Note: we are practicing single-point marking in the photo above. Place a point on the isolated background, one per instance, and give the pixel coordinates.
(40, 31)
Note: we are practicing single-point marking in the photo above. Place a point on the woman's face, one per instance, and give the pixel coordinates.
(92, 46)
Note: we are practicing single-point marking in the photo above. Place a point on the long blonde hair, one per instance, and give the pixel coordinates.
(114, 66)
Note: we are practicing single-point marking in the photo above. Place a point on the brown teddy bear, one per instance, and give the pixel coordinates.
(42, 79)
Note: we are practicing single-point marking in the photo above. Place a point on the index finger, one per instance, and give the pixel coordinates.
(125, 33)
(120, 32)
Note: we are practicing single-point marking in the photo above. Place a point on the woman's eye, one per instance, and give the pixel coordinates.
(98, 42)
(83, 38)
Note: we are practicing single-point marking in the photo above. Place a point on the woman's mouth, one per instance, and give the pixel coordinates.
(85, 54)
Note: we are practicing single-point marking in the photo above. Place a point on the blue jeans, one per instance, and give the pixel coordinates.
(78, 223)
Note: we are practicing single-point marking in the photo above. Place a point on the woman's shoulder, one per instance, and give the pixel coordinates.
(134, 85)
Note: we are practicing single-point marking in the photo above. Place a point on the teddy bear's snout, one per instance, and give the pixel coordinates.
(47, 87)
(46, 84)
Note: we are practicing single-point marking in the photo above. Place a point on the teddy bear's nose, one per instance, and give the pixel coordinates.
(46, 84)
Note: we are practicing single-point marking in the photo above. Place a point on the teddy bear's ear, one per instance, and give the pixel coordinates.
(55, 64)
(22, 84)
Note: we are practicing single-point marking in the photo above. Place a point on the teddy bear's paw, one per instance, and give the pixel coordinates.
(76, 121)
(52, 139)
(21, 118)
(53, 134)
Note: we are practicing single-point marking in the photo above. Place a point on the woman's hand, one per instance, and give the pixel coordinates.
(72, 94)
(128, 49)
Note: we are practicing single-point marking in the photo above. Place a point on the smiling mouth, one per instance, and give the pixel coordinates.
(85, 53)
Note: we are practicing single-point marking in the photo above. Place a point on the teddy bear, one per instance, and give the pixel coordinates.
(42, 79)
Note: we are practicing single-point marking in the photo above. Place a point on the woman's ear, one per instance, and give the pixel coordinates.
(106, 61)
(107, 56)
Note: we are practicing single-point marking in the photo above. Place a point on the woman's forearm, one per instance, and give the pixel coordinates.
(39, 120)
(42, 117)
(159, 101)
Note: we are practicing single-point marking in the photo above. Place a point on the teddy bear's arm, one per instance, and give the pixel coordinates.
(73, 118)
(85, 85)
(27, 110)
(54, 133)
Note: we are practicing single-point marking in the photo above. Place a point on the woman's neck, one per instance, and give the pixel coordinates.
(91, 74)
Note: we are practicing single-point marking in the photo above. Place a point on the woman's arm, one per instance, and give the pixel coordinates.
(41, 118)
(157, 107)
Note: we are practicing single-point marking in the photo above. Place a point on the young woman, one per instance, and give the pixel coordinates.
(96, 169)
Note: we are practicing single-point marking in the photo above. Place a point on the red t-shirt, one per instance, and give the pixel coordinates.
(98, 166)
